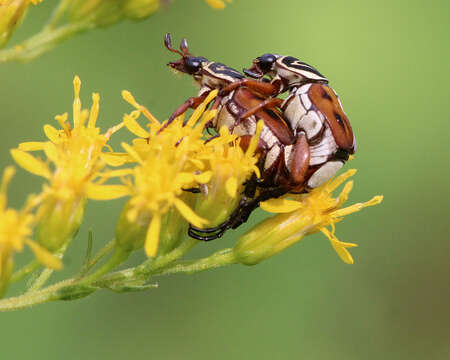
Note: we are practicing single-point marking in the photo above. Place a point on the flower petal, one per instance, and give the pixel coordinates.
(339, 246)
(93, 115)
(106, 192)
(357, 207)
(31, 146)
(152, 237)
(280, 206)
(189, 214)
(30, 163)
(231, 186)
(114, 159)
(132, 125)
(132, 153)
(201, 108)
(51, 151)
(204, 177)
(44, 256)
(53, 134)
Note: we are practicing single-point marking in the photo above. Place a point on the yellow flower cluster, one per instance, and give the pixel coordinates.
(16, 228)
(73, 170)
(172, 159)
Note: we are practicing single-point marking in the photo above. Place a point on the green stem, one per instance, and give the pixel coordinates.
(75, 288)
(46, 273)
(218, 259)
(115, 260)
(41, 42)
(57, 14)
(34, 298)
(100, 255)
(25, 271)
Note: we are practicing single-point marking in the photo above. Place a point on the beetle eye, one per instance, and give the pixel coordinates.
(266, 61)
(193, 64)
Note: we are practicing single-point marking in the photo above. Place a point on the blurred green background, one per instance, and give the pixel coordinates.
(389, 61)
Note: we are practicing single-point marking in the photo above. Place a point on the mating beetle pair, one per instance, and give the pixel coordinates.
(306, 138)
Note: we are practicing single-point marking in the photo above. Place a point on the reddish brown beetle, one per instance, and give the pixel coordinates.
(312, 107)
(280, 174)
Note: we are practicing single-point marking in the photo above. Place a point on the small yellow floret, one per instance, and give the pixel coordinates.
(304, 214)
(166, 164)
(17, 226)
(76, 154)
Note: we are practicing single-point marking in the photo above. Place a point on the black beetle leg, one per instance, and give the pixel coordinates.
(205, 236)
(192, 190)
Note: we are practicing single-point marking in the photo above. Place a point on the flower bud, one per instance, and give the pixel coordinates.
(270, 237)
(174, 226)
(231, 167)
(59, 222)
(131, 228)
(219, 197)
(104, 13)
(140, 9)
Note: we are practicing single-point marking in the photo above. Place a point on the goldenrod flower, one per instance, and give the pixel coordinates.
(166, 165)
(15, 229)
(73, 170)
(217, 4)
(307, 214)
(231, 166)
(11, 15)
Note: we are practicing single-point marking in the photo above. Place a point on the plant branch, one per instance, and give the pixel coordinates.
(25, 271)
(41, 42)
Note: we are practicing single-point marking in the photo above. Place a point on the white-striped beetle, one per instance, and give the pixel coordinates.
(284, 158)
(312, 108)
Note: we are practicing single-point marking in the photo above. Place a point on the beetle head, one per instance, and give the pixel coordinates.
(262, 65)
(188, 64)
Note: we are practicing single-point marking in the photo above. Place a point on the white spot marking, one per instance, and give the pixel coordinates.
(311, 124)
(324, 173)
(288, 155)
(271, 156)
(306, 102)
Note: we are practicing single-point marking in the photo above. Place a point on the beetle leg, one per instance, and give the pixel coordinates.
(266, 89)
(191, 103)
(202, 237)
(243, 212)
(266, 104)
(209, 233)
(300, 159)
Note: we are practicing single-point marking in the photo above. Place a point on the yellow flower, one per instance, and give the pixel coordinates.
(217, 4)
(11, 15)
(73, 170)
(15, 229)
(166, 165)
(307, 214)
(231, 167)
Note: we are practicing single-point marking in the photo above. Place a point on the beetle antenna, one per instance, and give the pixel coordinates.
(168, 44)
(184, 46)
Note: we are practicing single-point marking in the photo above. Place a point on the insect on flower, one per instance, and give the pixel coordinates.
(312, 108)
(284, 157)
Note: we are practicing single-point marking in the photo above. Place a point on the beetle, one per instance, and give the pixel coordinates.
(276, 142)
(312, 107)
